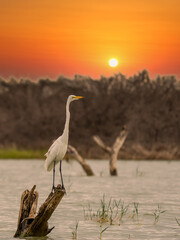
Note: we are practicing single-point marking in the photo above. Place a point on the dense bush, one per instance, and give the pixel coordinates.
(32, 114)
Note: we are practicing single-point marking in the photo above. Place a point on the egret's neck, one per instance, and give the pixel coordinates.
(66, 127)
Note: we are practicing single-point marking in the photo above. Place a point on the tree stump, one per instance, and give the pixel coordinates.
(73, 151)
(114, 150)
(30, 224)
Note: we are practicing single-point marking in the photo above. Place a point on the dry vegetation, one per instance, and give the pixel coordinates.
(32, 114)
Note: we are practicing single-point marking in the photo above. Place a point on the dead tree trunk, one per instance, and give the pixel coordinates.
(112, 151)
(72, 151)
(30, 224)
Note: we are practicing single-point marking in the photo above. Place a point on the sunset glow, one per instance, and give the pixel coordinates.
(45, 38)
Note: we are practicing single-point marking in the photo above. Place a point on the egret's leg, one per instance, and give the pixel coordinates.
(61, 175)
(53, 177)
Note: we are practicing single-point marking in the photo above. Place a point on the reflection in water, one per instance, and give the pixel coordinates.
(36, 238)
(159, 184)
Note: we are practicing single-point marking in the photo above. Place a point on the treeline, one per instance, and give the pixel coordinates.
(32, 114)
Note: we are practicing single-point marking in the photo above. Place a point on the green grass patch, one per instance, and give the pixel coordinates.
(13, 153)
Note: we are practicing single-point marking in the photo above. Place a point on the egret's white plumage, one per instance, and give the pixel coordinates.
(58, 149)
(55, 153)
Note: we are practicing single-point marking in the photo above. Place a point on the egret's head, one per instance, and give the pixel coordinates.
(73, 97)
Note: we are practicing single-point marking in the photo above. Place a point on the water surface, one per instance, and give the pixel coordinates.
(145, 182)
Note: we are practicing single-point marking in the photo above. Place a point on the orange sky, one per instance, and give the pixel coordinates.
(40, 38)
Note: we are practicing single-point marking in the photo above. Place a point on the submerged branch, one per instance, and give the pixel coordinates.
(73, 151)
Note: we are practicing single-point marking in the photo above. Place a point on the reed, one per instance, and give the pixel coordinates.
(111, 211)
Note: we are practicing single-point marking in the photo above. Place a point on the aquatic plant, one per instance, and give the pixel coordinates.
(135, 210)
(177, 221)
(69, 184)
(111, 211)
(101, 231)
(123, 210)
(74, 232)
(88, 214)
(157, 212)
(139, 173)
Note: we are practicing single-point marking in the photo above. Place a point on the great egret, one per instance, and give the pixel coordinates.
(58, 149)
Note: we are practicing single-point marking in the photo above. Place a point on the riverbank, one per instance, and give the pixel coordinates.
(13, 153)
(136, 152)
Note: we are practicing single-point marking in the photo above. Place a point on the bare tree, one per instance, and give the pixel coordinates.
(114, 150)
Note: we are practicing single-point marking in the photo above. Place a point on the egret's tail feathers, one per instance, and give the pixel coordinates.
(46, 154)
(45, 165)
(48, 166)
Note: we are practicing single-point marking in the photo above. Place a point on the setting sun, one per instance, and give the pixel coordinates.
(113, 62)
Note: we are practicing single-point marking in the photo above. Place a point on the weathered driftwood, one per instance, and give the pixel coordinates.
(30, 224)
(73, 151)
(114, 150)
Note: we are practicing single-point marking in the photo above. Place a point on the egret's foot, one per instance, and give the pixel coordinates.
(53, 189)
(63, 188)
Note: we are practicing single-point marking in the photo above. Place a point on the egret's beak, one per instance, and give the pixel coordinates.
(78, 97)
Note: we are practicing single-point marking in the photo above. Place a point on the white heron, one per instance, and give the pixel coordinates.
(58, 149)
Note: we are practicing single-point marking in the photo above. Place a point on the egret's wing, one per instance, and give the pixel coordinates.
(51, 147)
(51, 156)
